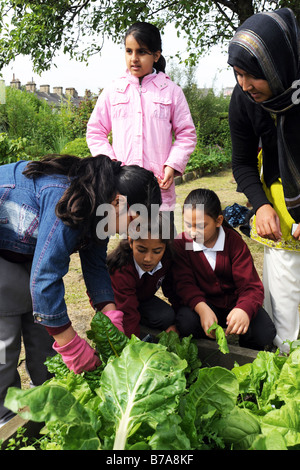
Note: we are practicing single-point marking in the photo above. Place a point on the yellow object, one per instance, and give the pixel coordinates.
(276, 197)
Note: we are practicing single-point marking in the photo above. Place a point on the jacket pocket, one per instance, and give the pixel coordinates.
(162, 108)
(4, 193)
(120, 106)
(28, 224)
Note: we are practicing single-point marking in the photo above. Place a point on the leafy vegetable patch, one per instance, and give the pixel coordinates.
(156, 396)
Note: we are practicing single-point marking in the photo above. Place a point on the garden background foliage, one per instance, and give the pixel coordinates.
(31, 128)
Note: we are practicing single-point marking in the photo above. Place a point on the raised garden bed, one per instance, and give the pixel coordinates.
(209, 354)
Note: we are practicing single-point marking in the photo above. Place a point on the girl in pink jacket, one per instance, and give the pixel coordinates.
(143, 109)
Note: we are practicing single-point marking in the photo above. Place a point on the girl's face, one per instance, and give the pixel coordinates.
(147, 252)
(257, 88)
(139, 60)
(201, 227)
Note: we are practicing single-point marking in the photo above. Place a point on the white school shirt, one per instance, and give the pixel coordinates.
(211, 253)
(141, 271)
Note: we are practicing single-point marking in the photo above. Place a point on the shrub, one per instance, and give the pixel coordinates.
(77, 147)
(12, 150)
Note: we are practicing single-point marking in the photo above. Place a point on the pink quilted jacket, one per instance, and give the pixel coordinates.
(142, 119)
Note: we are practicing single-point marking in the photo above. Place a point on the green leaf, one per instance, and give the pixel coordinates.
(108, 339)
(220, 337)
(186, 348)
(216, 388)
(140, 386)
(288, 386)
(169, 435)
(286, 421)
(238, 429)
(272, 441)
(53, 403)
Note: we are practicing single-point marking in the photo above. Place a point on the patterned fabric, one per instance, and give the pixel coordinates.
(267, 46)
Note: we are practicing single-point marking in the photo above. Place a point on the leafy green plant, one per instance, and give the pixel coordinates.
(77, 147)
(142, 398)
(12, 150)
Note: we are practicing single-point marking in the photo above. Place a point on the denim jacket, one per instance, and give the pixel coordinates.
(28, 225)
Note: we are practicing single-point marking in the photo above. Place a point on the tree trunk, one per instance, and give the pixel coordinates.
(244, 10)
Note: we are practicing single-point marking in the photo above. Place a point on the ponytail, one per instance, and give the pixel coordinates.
(160, 65)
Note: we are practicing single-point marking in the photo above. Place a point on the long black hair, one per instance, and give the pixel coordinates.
(146, 34)
(94, 181)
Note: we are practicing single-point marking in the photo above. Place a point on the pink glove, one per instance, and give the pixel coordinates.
(78, 355)
(116, 317)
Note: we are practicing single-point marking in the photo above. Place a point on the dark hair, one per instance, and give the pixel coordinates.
(148, 35)
(210, 201)
(207, 197)
(121, 255)
(94, 181)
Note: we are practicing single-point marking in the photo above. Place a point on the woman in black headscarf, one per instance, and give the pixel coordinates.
(265, 111)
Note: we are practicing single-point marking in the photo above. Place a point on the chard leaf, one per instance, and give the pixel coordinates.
(272, 441)
(109, 341)
(216, 388)
(220, 337)
(169, 435)
(186, 348)
(140, 386)
(238, 429)
(288, 385)
(52, 403)
(286, 421)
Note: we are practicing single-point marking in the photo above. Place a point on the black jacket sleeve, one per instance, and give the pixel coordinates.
(246, 127)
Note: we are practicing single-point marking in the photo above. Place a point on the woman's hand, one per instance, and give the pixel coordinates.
(77, 354)
(168, 179)
(237, 321)
(296, 232)
(267, 223)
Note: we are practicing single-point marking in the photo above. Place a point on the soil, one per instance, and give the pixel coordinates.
(79, 308)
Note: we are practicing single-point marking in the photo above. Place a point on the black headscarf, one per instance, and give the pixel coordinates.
(267, 45)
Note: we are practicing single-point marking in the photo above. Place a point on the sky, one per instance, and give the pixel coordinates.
(212, 70)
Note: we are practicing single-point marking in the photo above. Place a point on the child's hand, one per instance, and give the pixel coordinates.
(168, 179)
(237, 322)
(207, 318)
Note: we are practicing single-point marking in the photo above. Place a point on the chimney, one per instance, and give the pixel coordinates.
(45, 89)
(31, 86)
(15, 83)
(58, 90)
(71, 92)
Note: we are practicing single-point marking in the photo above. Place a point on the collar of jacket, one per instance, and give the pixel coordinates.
(160, 80)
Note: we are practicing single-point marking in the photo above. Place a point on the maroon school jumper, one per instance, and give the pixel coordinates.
(129, 290)
(233, 283)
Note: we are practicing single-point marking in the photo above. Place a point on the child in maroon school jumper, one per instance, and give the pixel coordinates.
(138, 268)
(215, 277)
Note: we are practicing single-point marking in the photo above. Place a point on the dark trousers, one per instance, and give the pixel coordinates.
(17, 324)
(260, 334)
(156, 313)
